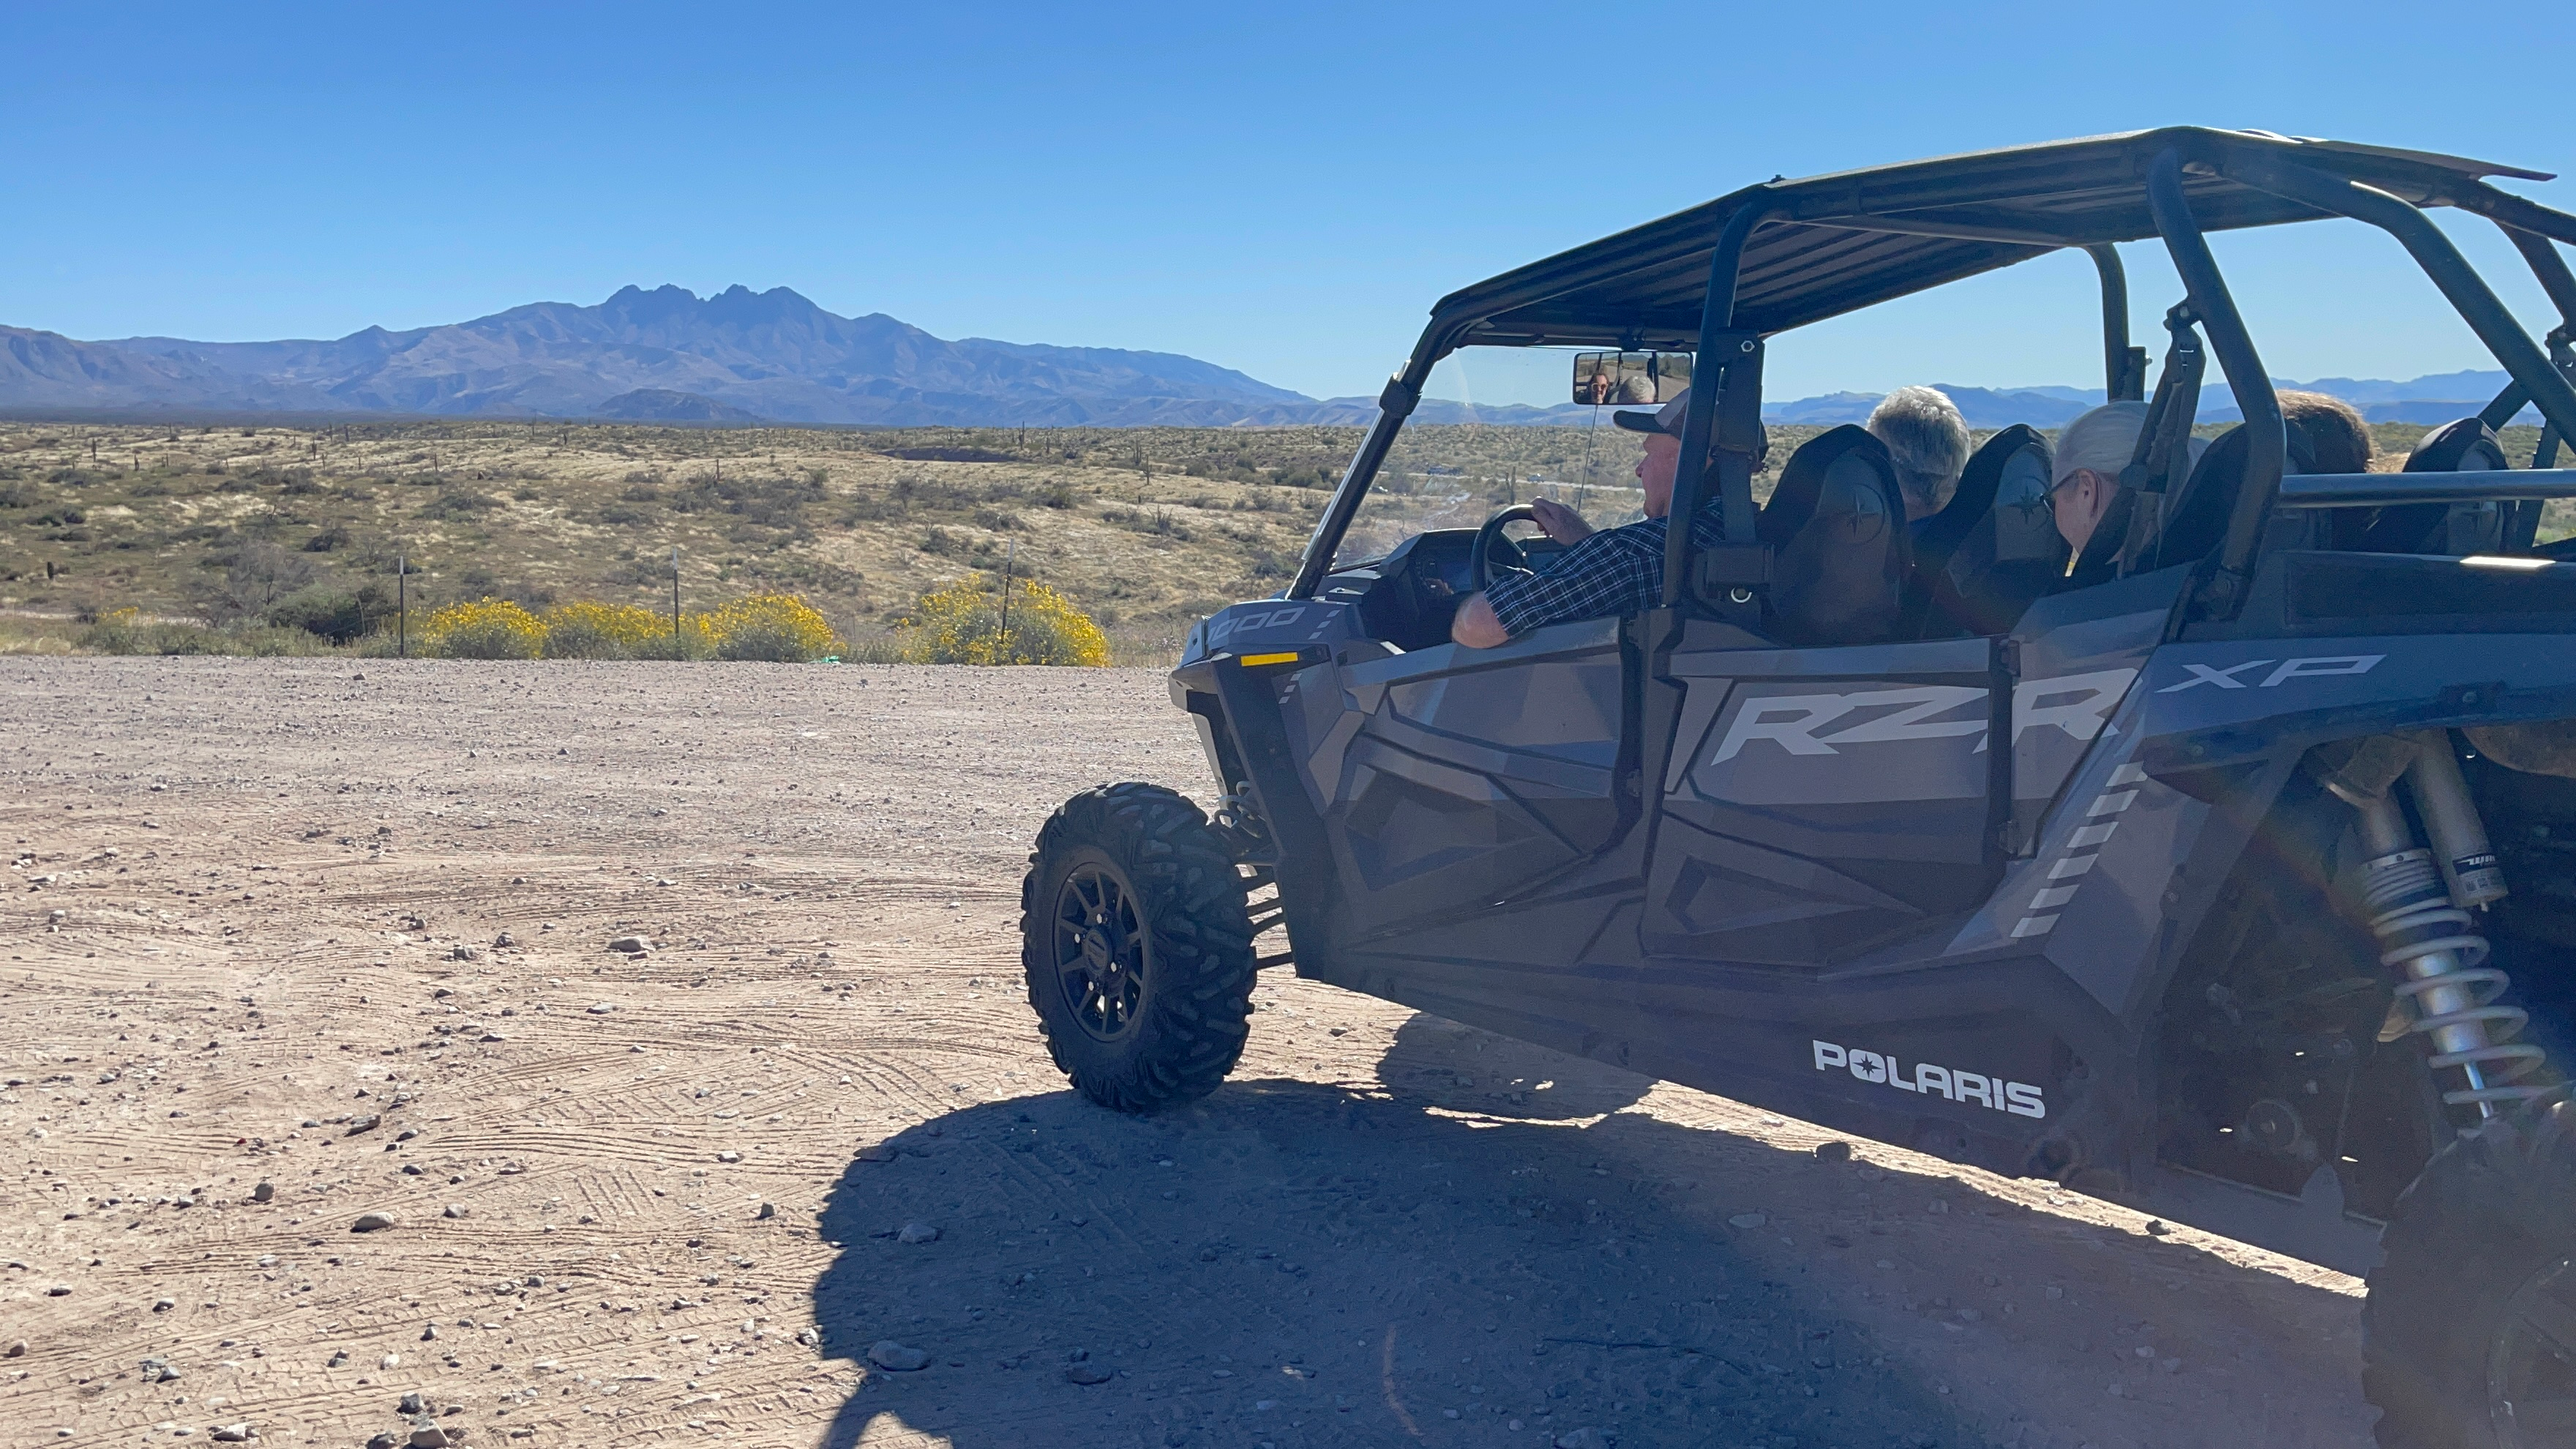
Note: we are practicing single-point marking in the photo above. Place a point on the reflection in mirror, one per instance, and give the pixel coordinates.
(1632, 378)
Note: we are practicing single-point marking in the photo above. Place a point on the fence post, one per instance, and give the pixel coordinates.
(1009, 557)
(402, 607)
(675, 601)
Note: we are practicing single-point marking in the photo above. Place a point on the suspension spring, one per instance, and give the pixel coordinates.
(2435, 946)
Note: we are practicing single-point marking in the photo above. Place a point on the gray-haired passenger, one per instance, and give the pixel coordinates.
(1929, 442)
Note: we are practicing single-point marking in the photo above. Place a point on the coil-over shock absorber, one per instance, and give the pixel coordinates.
(2419, 902)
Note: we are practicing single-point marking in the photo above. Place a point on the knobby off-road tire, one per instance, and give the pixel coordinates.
(2469, 1335)
(1138, 954)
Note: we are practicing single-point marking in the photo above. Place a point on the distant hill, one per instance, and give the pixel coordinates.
(661, 405)
(767, 355)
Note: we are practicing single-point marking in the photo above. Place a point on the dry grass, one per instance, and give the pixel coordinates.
(1144, 529)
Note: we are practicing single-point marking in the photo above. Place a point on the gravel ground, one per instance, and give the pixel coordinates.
(295, 945)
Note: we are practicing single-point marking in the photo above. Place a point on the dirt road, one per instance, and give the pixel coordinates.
(292, 943)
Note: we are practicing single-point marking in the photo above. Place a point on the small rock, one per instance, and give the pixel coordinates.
(1583, 1438)
(232, 1434)
(1747, 1220)
(384, 1441)
(390, 1361)
(368, 1123)
(1938, 1205)
(898, 1358)
(767, 1211)
(2055, 1292)
(631, 945)
(339, 1360)
(917, 1233)
(164, 1305)
(809, 1336)
(17, 1349)
(728, 1157)
(265, 1192)
(1833, 1152)
(412, 1403)
(462, 952)
(428, 1332)
(2157, 1228)
(453, 1211)
(429, 1436)
(601, 1008)
(504, 939)
(371, 1223)
(1087, 1373)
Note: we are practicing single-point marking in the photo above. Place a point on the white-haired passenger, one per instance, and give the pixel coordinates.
(2091, 451)
(1928, 440)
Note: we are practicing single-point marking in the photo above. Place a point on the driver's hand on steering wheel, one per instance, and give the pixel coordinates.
(1558, 521)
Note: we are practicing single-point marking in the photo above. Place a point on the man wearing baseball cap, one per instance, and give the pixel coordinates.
(1607, 574)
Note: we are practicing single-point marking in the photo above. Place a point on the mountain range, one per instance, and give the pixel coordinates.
(739, 356)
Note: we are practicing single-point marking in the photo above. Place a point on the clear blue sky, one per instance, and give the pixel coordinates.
(1282, 190)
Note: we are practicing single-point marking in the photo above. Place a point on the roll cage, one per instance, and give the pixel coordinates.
(1721, 278)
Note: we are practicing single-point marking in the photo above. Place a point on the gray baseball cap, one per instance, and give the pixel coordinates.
(1666, 419)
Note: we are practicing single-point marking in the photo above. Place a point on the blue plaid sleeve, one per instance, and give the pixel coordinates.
(1610, 575)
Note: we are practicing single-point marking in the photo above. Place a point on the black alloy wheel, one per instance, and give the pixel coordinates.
(2531, 1362)
(2469, 1334)
(1103, 953)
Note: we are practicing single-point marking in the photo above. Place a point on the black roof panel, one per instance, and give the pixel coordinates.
(1855, 238)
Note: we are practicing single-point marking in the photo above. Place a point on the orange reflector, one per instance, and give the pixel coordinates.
(1288, 658)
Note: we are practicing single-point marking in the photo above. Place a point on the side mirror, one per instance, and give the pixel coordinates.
(1630, 379)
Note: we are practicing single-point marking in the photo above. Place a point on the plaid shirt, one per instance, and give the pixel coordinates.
(1612, 574)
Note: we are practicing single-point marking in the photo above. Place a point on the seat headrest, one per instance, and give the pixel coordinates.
(2466, 446)
(1837, 521)
(1802, 479)
(2195, 519)
(1969, 503)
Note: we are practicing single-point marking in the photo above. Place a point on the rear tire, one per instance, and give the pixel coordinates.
(2469, 1334)
(1137, 951)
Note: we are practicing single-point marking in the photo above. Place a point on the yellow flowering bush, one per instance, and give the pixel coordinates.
(961, 623)
(614, 631)
(781, 628)
(484, 629)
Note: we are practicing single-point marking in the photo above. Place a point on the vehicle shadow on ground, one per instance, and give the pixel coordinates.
(1292, 1263)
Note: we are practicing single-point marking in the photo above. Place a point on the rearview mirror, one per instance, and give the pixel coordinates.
(1632, 378)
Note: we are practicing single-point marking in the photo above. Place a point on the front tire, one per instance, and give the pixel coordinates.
(1138, 954)
(2469, 1335)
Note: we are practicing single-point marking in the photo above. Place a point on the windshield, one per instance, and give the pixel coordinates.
(1454, 475)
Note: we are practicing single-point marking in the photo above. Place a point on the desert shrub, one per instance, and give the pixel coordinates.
(124, 631)
(780, 628)
(458, 504)
(961, 623)
(339, 615)
(257, 574)
(608, 631)
(484, 629)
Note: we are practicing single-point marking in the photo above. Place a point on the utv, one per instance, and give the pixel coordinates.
(2227, 870)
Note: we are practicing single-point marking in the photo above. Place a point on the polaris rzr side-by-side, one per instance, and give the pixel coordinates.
(2224, 866)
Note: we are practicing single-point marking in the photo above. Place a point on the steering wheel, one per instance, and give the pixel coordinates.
(1490, 541)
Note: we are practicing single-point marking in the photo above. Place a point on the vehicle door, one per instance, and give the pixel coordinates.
(1449, 778)
(1818, 801)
